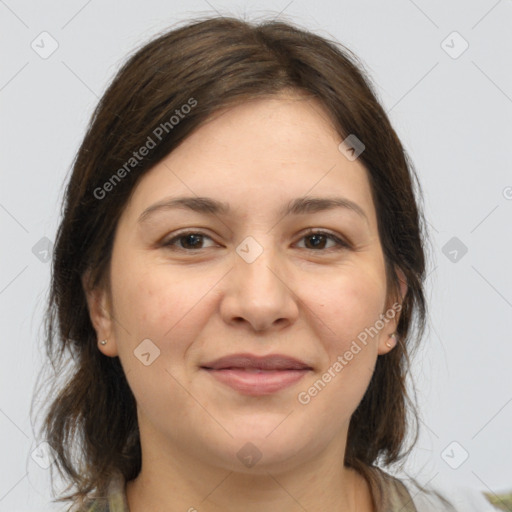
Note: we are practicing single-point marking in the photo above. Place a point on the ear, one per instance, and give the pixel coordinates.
(392, 315)
(100, 313)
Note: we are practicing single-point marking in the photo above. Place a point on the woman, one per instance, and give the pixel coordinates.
(238, 276)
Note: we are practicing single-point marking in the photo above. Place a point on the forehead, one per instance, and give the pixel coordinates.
(257, 157)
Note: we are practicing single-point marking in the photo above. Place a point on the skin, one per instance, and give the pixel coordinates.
(294, 299)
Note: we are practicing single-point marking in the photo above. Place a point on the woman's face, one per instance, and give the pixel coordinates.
(252, 281)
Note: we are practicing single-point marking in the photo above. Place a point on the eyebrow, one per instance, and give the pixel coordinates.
(209, 206)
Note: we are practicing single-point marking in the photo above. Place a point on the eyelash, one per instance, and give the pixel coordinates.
(311, 232)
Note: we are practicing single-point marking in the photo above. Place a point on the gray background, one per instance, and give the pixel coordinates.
(453, 113)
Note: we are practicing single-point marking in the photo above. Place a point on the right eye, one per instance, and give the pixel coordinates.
(192, 239)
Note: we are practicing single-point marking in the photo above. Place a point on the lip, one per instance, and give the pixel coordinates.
(257, 375)
(269, 362)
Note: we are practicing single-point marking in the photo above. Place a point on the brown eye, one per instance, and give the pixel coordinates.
(318, 240)
(186, 241)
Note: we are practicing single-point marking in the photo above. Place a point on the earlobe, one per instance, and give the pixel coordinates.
(99, 308)
(108, 347)
(387, 343)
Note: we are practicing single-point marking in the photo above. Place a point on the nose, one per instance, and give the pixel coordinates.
(260, 294)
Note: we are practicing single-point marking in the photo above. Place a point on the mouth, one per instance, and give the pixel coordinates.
(273, 362)
(256, 375)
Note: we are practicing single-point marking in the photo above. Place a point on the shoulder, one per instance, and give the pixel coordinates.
(454, 499)
(390, 493)
(113, 501)
(407, 495)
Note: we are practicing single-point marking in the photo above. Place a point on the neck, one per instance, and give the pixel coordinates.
(177, 483)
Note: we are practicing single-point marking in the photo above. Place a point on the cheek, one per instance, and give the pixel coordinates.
(345, 312)
(168, 306)
(147, 301)
(167, 309)
(344, 305)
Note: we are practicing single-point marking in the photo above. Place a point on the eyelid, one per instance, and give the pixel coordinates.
(167, 242)
(340, 241)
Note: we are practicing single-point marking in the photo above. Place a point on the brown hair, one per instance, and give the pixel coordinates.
(219, 62)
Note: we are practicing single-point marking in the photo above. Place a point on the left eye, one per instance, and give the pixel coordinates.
(193, 239)
(318, 238)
